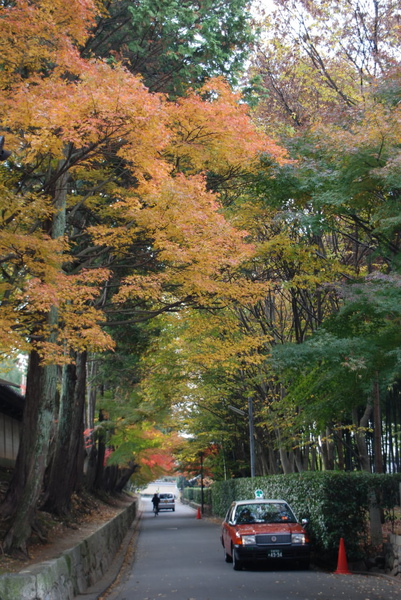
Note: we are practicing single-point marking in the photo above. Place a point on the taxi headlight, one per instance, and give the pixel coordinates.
(298, 538)
(248, 539)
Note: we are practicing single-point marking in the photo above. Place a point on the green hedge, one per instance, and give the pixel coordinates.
(335, 503)
(194, 494)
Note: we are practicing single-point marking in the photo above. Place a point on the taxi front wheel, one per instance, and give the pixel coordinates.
(237, 564)
(227, 557)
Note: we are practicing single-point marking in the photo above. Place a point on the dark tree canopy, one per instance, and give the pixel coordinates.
(175, 44)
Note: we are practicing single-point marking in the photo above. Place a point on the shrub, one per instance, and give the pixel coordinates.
(194, 494)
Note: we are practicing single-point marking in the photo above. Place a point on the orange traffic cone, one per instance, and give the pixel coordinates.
(342, 565)
(198, 514)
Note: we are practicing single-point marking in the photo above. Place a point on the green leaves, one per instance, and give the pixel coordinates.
(175, 45)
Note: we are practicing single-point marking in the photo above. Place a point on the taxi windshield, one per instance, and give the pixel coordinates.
(264, 513)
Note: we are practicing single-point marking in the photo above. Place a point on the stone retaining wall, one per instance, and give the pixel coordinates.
(392, 554)
(75, 570)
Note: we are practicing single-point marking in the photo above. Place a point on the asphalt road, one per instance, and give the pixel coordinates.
(161, 487)
(179, 557)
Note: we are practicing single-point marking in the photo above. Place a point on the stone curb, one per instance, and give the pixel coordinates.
(117, 570)
(76, 570)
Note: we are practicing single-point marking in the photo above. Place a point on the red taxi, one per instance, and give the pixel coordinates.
(256, 530)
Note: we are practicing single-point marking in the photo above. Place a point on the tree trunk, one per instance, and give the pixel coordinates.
(313, 465)
(69, 447)
(360, 436)
(273, 461)
(327, 450)
(124, 476)
(90, 467)
(92, 368)
(90, 460)
(376, 533)
(286, 458)
(340, 451)
(301, 456)
(38, 424)
(374, 511)
(377, 424)
(98, 483)
(38, 427)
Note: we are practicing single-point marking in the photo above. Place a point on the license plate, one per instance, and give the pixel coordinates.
(274, 554)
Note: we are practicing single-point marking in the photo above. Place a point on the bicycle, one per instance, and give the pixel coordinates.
(155, 509)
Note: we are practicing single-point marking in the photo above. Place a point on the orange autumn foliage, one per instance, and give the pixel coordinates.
(75, 124)
(212, 130)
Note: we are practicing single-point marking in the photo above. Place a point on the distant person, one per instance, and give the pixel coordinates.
(155, 502)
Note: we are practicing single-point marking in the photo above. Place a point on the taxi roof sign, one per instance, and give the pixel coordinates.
(259, 494)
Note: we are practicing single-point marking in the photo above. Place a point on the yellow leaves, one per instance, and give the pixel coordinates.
(82, 329)
(129, 162)
(21, 211)
(66, 291)
(38, 34)
(39, 296)
(298, 264)
(186, 226)
(144, 287)
(376, 127)
(210, 341)
(107, 107)
(39, 255)
(24, 248)
(117, 238)
(216, 133)
(200, 251)
(79, 323)
(10, 339)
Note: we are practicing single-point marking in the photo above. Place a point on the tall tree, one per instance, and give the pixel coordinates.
(328, 75)
(111, 175)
